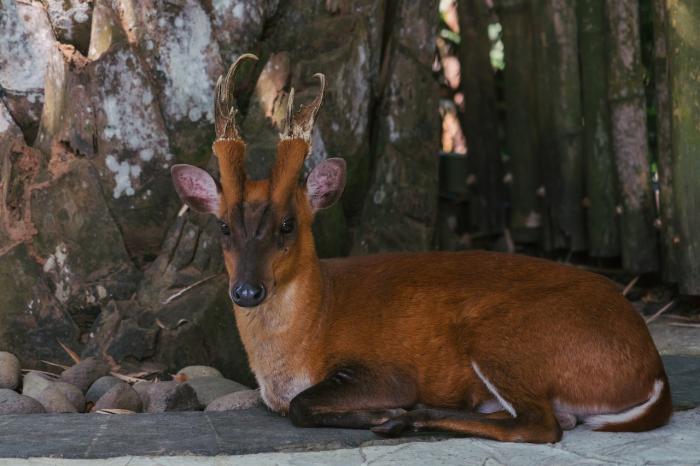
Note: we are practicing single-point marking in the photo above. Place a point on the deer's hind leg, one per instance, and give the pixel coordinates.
(353, 397)
(534, 422)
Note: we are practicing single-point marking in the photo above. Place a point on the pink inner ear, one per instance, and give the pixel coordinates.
(326, 183)
(196, 188)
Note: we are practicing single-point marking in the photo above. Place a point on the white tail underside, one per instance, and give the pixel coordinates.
(628, 415)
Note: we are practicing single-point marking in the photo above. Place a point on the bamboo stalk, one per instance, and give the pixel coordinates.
(521, 122)
(601, 190)
(629, 136)
(664, 147)
(480, 118)
(684, 60)
(559, 121)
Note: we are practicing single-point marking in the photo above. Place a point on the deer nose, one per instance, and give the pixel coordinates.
(247, 294)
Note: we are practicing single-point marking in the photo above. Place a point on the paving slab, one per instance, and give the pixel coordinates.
(674, 444)
(256, 430)
(673, 337)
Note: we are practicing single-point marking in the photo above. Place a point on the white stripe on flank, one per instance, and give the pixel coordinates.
(629, 415)
(507, 406)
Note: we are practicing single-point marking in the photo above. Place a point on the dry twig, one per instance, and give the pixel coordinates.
(682, 324)
(73, 355)
(630, 285)
(181, 291)
(659, 312)
(49, 363)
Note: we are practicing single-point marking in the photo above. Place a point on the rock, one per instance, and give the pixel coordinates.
(83, 374)
(54, 401)
(26, 43)
(100, 387)
(168, 396)
(32, 320)
(13, 403)
(34, 383)
(238, 400)
(209, 389)
(85, 257)
(401, 206)
(193, 372)
(71, 21)
(73, 393)
(10, 370)
(173, 334)
(120, 396)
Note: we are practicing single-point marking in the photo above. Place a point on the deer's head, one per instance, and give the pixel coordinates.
(265, 224)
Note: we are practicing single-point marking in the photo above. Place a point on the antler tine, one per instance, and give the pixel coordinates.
(299, 125)
(224, 101)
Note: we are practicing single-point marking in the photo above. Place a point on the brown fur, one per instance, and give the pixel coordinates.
(540, 331)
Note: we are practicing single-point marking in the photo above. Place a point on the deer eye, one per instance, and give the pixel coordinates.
(224, 228)
(287, 226)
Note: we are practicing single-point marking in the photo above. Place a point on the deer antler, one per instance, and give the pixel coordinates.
(294, 145)
(299, 125)
(229, 148)
(224, 102)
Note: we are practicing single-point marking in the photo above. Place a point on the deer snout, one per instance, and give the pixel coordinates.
(248, 294)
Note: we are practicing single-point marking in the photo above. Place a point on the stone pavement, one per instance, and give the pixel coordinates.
(675, 444)
(256, 436)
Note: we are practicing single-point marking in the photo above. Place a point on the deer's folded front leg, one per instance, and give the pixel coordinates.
(353, 397)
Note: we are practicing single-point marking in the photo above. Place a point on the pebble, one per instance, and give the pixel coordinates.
(100, 387)
(193, 372)
(167, 396)
(34, 383)
(238, 400)
(12, 402)
(120, 396)
(10, 370)
(54, 401)
(83, 374)
(73, 393)
(209, 389)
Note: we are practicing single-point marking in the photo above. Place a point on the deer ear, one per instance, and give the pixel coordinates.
(196, 188)
(325, 183)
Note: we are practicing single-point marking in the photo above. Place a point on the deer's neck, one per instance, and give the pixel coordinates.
(280, 335)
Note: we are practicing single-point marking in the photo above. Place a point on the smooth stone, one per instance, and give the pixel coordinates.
(10, 370)
(54, 401)
(209, 389)
(100, 387)
(34, 383)
(120, 396)
(12, 402)
(194, 372)
(83, 374)
(168, 396)
(238, 400)
(73, 393)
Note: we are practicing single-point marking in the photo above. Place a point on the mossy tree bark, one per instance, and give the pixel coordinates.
(664, 147)
(480, 118)
(560, 112)
(601, 190)
(521, 122)
(684, 60)
(629, 135)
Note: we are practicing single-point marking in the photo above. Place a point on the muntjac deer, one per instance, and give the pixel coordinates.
(491, 345)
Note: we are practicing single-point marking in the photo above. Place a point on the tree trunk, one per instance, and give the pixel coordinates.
(684, 60)
(521, 122)
(664, 147)
(601, 190)
(629, 135)
(564, 166)
(480, 118)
